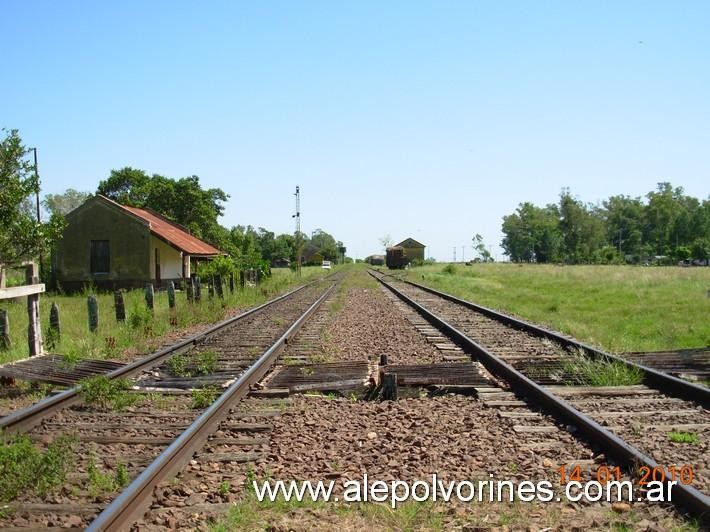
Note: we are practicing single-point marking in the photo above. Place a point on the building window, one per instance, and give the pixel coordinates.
(100, 256)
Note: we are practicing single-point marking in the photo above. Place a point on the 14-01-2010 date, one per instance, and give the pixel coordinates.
(683, 474)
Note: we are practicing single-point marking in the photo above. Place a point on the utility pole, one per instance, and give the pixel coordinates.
(463, 254)
(297, 216)
(454, 253)
(39, 220)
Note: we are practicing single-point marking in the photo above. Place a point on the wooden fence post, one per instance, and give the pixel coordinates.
(231, 282)
(93, 307)
(171, 294)
(54, 333)
(149, 296)
(34, 330)
(389, 386)
(119, 305)
(5, 342)
(242, 279)
(210, 287)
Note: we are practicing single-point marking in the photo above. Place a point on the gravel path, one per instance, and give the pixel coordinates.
(370, 325)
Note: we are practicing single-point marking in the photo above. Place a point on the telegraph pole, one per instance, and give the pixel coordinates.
(39, 220)
(454, 253)
(297, 216)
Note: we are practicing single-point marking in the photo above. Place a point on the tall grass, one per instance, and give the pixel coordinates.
(620, 308)
(142, 330)
(599, 372)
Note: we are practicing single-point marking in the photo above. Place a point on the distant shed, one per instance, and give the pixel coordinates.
(413, 250)
(281, 262)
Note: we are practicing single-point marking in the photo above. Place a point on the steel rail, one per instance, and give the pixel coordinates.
(136, 498)
(659, 380)
(26, 418)
(688, 497)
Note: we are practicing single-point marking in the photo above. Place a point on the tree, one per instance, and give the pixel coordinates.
(128, 186)
(533, 234)
(670, 223)
(325, 243)
(284, 247)
(183, 200)
(701, 248)
(582, 229)
(624, 219)
(385, 242)
(62, 204)
(22, 237)
(481, 248)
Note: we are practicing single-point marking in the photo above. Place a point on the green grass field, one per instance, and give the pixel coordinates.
(141, 332)
(619, 308)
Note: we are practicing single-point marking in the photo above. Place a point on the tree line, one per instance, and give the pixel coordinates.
(665, 226)
(182, 200)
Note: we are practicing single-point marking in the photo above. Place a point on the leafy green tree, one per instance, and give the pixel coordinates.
(243, 246)
(669, 224)
(284, 247)
(62, 204)
(624, 220)
(532, 234)
(700, 249)
(183, 200)
(582, 229)
(325, 243)
(22, 237)
(128, 186)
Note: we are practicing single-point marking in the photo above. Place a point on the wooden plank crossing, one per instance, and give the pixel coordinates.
(54, 369)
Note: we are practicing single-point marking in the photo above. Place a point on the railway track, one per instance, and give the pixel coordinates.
(521, 423)
(182, 406)
(631, 423)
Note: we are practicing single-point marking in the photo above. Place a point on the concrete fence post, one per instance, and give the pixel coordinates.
(198, 289)
(93, 307)
(54, 333)
(171, 294)
(120, 306)
(149, 296)
(5, 342)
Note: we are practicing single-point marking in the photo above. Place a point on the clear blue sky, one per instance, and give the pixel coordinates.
(422, 119)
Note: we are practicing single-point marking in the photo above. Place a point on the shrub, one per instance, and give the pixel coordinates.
(105, 392)
(206, 362)
(140, 316)
(449, 269)
(24, 468)
(204, 397)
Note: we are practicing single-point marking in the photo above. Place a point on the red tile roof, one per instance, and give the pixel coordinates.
(171, 232)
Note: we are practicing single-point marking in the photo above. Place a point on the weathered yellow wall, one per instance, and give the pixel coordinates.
(129, 241)
(414, 253)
